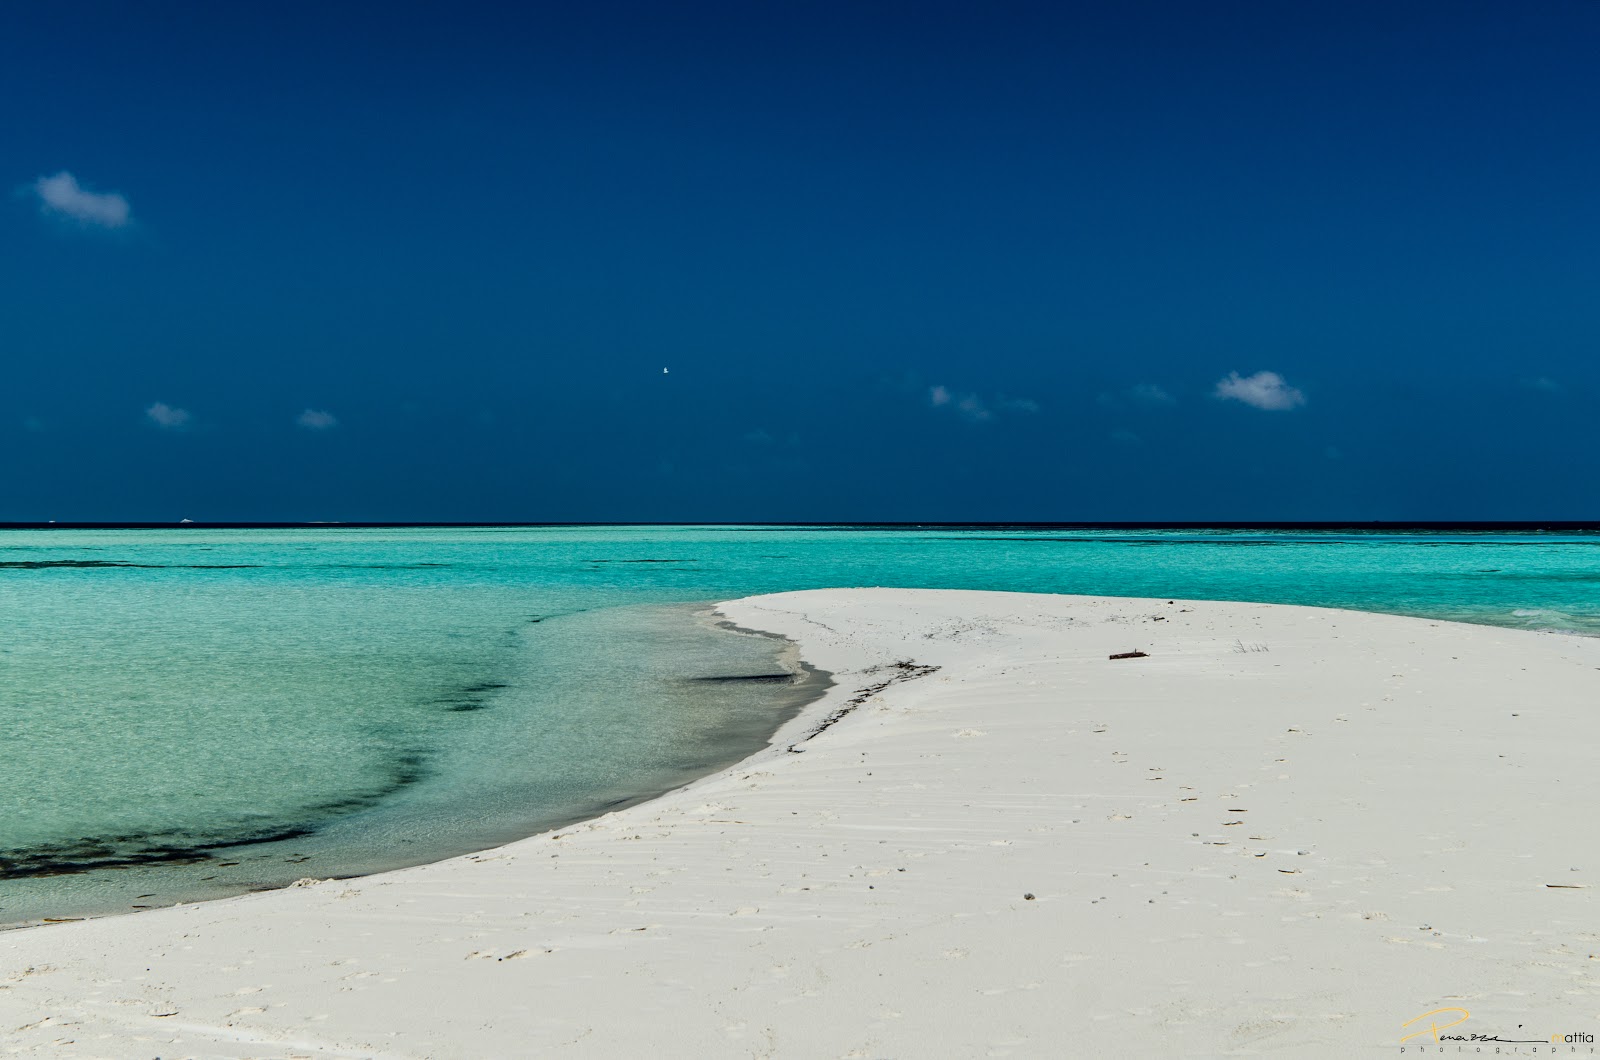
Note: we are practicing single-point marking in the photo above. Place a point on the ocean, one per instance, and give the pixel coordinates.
(191, 712)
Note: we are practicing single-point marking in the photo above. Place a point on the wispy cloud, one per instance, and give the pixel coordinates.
(1264, 390)
(164, 415)
(1544, 383)
(975, 409)
(1150, 395)
(317, 420)
(1141, 395)
(969, 406)
(972, 407)
(62, 196)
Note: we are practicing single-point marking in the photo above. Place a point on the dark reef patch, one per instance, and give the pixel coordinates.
(126, 852)
(89, 853)
(759, 679)
(41, 564)
(376, 566)
(643, 561)
(469, 697)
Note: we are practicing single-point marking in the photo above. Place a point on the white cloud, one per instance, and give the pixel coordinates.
(1124, 437)
(317, 420)
(1264, 390)
(1544, 383)
(973, 408)
(758, 437)
(64, 196)
(976, 409)
(1151, 395)
(970, 406)
(1142, 395)
(164, 415)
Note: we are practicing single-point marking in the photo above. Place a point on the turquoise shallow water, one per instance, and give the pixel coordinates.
(189, 713)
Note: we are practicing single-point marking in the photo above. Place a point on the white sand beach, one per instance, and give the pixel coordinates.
(1284, 831)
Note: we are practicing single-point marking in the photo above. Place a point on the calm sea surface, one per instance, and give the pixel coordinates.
(192, 713)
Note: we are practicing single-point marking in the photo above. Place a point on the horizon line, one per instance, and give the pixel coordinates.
(1276, 524)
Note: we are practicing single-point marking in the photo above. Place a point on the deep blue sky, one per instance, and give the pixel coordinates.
(903, 261)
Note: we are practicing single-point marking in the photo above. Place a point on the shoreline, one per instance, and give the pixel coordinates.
(299, 846)
(960, 861)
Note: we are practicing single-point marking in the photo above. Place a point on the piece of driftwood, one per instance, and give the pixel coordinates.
(1131, 655)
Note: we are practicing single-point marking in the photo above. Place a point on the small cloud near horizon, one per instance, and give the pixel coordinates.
(1264, 390)
(317, 420)
(62, 196)
(1143, 395)
(973, 408)
(1150, 395)
(164, 415)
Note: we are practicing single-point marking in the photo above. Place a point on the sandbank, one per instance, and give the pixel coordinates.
(1284, 830)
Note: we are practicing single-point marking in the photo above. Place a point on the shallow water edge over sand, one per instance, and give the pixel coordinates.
(583, 715)
(1283, 830)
